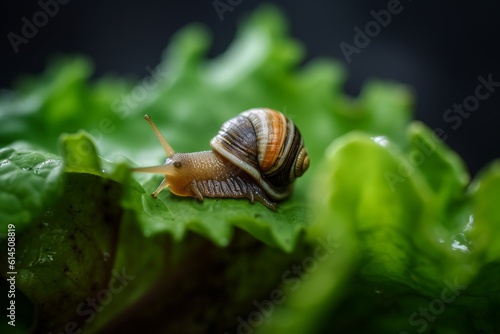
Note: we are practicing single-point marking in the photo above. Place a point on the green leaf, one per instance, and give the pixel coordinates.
(64, 257)
(365, 199)
(79, 154)
(408, 233)
(485, 222)
(445, 172)
(30, 182)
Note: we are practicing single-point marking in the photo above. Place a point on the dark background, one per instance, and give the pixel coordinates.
(438, 48)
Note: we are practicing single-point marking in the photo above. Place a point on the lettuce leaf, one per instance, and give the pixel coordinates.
(411, 249)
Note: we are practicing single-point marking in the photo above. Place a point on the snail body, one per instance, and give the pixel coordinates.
(257, 154)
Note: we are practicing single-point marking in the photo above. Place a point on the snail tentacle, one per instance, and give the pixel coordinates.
(162, 185)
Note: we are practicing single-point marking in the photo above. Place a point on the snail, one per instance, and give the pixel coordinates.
(257, 155)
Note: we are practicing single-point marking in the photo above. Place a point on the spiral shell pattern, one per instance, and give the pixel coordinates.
(266, 145)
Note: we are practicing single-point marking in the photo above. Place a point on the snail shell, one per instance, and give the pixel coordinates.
(266, 145)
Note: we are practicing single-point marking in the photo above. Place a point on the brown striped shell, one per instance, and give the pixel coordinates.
(267, 145)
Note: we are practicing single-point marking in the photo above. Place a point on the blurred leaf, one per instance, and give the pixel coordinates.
(484, 226)
(30, 182)
(408, 240)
